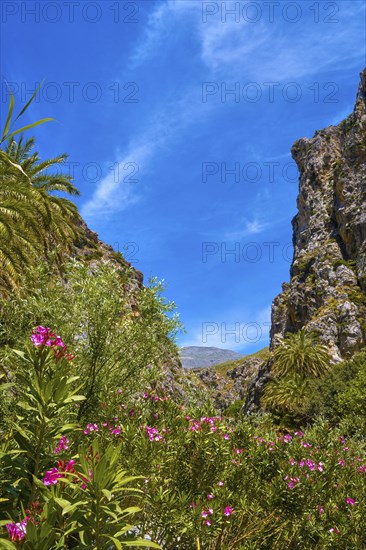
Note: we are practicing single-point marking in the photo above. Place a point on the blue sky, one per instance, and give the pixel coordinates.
(178, 117)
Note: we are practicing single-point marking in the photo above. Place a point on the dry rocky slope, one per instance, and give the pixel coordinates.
(327, 289)
(229, 382)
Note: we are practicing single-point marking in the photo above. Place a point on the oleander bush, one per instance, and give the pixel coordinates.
(146, 470)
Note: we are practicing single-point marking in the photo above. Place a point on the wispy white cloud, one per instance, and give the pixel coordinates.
(152, 37)
(119, 189)
(261, 50)
(228, 50)
(168, 120)
(247, 227)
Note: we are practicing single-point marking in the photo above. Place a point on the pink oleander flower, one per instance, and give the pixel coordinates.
(299, 434)
(195, 426)
(210, 511)
(116, 430)
(51, 477)
(43, 336)
(226, 436)
(341, 462)
(320, 510)
(119, 391)
(62, 445)
(293, 482)
(204, 514)
(238, 451)
(334, 530)
(58, 342)
(220, 484)
(305, 445)
(350, 501)
(91, 428)
(37, 340)
(210, 496)
(208, 523)
(145, 395)
(17, 531)
(228, 510)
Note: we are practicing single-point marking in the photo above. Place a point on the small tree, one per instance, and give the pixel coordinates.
(296, 362)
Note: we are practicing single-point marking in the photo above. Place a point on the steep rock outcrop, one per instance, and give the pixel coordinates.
(327, 289)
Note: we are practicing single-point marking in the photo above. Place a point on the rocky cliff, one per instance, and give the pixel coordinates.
(327, 289)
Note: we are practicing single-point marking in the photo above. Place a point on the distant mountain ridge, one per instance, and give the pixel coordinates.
(195, 357)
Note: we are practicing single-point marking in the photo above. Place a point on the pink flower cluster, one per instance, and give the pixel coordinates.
(43, 336)
(62, 445)
(270, 444)
(309, 463)
(293, 481)
(91, 428)
(207, 512)
(154, 435)
(285, 438)
(17, 531)
(213, 422)
(94, 427)
(52, 476)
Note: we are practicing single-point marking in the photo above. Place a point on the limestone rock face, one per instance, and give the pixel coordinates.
(327, 289)
(226, 387)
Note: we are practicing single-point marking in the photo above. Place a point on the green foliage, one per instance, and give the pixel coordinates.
(33, 221)
(81, 502)
(44, 387)
(116, 345)
(300, 354)
(7, 134)
(235, 409)
(296, 362)
(339, 397)
(196, 480)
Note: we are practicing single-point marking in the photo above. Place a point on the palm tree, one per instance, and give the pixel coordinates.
(287, 394)
(296, 361)
(33, 220)
(300, 354)
(59, 217)
(20, 234)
